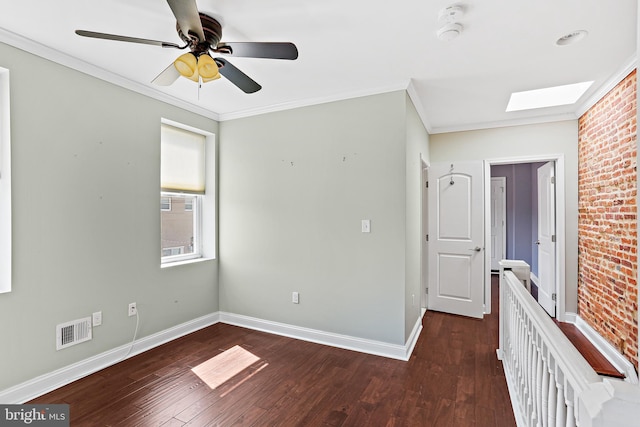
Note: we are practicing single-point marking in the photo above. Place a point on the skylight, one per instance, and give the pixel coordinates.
(547, 97)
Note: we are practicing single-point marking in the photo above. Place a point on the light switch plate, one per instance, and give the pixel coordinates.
(366, 226)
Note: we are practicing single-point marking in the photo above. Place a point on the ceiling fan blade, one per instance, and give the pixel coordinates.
(237, 77)
(167, 77)
(116, 37)
(188, 17)
(259, 50)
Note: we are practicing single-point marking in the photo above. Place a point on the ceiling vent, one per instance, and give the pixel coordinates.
(571, 38)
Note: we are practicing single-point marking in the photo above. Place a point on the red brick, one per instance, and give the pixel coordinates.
(607, 230)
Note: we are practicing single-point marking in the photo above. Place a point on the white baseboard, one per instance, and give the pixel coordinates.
(45, 383)
(534, 279)
(609, 351)
(378, 348)
(569, 317)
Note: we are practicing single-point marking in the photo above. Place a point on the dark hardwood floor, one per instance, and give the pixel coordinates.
(452, 379)
(592, 355)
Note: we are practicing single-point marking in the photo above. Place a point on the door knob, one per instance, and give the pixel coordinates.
(477, 249)
(537, 242)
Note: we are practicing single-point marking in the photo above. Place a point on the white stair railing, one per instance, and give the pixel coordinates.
(549, 381)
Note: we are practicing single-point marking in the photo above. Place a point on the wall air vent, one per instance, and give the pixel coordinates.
(72, 333)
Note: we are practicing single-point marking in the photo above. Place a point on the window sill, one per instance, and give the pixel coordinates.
(187, 261)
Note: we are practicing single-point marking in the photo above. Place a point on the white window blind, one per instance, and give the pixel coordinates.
(182, 165)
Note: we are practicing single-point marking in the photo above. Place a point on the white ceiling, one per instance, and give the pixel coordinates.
(351, 48)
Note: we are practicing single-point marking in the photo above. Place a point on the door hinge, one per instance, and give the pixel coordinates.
(426, 184)
(553, 238)
(553, 297)
(553, 179)
(426, 290)
(426, 236)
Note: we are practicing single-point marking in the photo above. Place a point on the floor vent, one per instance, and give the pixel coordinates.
(72, 333)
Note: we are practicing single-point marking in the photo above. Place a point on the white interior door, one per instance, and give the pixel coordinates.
(456, 236)
(498, 215)
(547, 238)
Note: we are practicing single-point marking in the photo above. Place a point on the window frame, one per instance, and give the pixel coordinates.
(204, 207)
(5, 185)
(197, 230)
(162, 203)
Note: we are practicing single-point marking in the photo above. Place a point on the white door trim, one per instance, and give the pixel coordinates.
(424, 230)
(560, 224)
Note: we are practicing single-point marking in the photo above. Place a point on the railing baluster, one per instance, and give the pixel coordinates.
(544, 389)
(561, 408)
(545, 372)
(568, 400)
(553, 397)
(539, 382)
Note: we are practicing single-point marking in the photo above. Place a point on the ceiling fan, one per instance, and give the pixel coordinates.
(202, 35)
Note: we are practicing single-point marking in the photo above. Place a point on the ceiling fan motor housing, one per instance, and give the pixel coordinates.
(212, 33)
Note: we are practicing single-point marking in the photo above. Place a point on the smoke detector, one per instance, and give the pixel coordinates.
(451, 14)
(449, 32)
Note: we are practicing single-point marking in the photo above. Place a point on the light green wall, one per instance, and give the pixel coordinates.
(417, 152)
(86, 218)
(538, 140)
(294, 187)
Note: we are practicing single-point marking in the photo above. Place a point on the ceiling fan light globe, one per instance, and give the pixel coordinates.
(195, 76)
(186, 65)
(207, 67)
(216, 77)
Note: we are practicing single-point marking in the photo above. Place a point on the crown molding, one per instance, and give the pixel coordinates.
(415, 98)
(343, 96)
(582, 108)
(609, 84)
(505, 123)
(28, 45)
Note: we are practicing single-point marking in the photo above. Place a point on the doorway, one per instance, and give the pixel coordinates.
(498, 221)
(522, 232)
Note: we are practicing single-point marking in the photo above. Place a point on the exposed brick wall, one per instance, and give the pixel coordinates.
(607, 231)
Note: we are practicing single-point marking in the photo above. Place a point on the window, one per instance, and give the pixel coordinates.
(5, 184)
(165, 203)
(180, 227)
(186, 172)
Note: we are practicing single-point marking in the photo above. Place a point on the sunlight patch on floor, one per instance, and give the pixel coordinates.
(221, 368)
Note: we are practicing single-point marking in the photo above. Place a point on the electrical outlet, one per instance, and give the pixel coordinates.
(133, 309)
(295, 298)
(97, 318)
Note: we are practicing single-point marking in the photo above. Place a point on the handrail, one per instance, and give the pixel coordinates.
(546, 372)
(549, 381)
